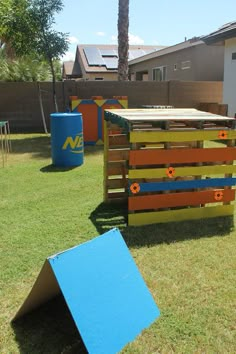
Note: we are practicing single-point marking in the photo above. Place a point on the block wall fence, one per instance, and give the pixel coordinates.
(19, 103)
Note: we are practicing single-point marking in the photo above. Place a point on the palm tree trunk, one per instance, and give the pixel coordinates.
(123, 40)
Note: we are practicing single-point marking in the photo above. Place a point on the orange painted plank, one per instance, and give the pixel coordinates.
(178, 199)
(161, 156)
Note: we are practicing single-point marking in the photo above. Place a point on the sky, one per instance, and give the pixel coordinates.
(151, 22)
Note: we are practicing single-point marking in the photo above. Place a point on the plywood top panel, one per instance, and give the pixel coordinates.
(181, 114)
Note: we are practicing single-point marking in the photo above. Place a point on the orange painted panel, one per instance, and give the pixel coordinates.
(109, 106)
(180, 199)
(161, 156)
(90, 121)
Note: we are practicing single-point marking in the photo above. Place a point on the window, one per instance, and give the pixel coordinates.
(141, 76)
(159, 74)
(233, 56)
(186, 65)
(99, 78)
(175, 67)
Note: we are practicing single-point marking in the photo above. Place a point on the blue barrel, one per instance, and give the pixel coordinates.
(67, 143)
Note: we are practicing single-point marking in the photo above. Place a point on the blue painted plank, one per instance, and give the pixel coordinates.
(178, 185)
(100, 121)
(107, 296)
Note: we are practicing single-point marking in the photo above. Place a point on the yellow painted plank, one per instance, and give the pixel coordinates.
(105, 155)
(179, 215)
(179, 136)
(182, 171)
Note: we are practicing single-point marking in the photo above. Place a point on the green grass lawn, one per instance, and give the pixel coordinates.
(189, 267)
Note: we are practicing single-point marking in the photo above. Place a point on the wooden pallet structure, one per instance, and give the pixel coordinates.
(169, 164)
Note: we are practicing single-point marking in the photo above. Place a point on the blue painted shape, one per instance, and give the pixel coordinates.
(107, 296)
(100, 123)
(177, 185)
(87, 101)
(112, 101)
(89, 143)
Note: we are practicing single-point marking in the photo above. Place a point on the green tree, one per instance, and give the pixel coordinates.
(26, 69)
(27, 28)
(16, 27)
(123, 39)
(48, 42)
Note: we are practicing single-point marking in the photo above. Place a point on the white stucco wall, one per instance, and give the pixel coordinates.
(229, 87)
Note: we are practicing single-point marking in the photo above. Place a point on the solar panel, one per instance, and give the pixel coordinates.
(111, 63)
(93, 56)
(108, 52)
(133, 54)
(109, 57)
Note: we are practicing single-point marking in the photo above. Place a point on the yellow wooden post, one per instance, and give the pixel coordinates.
(105, 157)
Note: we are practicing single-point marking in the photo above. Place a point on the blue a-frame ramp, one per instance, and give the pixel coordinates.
(104, 290)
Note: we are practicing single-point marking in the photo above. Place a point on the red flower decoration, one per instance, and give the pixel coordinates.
(170, 171)
(223, 134)
(218, 195)
(135, 188)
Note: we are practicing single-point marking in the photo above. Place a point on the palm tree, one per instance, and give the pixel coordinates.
(123, 39)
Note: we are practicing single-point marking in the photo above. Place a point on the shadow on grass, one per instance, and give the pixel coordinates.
(53, 168)
(49, 329)
(106, 216)
(40, 146)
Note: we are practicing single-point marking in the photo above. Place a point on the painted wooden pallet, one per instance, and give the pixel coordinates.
(170, 173)
(116, 155)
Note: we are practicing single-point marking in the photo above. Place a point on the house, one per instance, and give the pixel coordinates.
(225, 37)
(100, 62)
(67, 71)
(191, 60)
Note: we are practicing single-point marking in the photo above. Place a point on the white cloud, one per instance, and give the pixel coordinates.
(73, 40)
(101, 34)
(133, 40)
(68, 56)
(114, 39)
